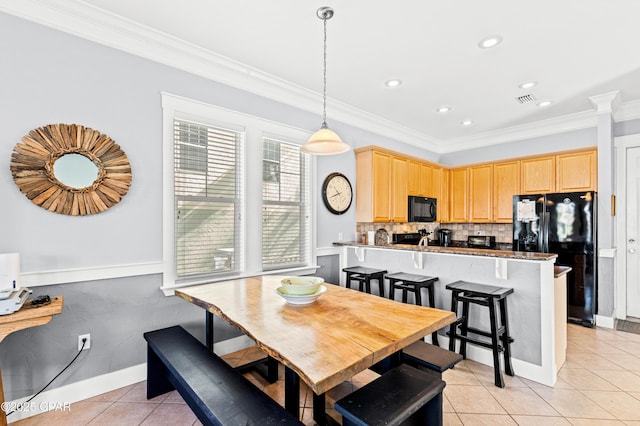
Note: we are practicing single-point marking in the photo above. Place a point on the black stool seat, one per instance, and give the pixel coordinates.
(495, 298)
(413, 283)
(364, 276)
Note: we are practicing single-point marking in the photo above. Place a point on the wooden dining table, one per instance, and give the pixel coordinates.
(323, 343)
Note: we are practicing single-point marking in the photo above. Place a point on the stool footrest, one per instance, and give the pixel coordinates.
(478, 342)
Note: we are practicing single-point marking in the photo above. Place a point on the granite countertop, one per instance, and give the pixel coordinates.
(559, 271)
(457, 250)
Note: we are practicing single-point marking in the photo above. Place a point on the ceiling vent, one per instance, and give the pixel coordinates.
(526, 99)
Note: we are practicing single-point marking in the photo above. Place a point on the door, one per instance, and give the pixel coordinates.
(571, 234)
(633, 226)
(506, 184)
(459, 195)
(528, 226)
(538, 175)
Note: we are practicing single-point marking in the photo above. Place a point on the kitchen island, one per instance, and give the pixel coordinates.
(533, 317)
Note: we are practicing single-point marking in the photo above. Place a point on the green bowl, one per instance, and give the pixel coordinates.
(301, 285)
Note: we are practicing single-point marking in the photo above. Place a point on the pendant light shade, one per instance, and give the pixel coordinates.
(324, 141)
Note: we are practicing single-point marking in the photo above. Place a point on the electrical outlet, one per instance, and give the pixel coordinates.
(87, 345)
(478, 232)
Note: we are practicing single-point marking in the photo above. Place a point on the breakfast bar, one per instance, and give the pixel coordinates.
(534, 320)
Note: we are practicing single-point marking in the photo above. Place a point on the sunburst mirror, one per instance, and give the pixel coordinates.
(70, 169)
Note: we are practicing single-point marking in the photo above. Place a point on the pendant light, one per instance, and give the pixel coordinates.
(324, 141)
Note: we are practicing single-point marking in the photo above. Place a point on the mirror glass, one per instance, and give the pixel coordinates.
(75, 170)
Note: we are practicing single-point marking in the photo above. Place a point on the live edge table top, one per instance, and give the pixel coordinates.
(327, 342)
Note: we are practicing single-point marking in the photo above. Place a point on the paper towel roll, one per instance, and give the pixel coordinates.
(371, 238)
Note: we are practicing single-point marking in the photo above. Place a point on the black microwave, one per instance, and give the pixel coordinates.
(422, 209)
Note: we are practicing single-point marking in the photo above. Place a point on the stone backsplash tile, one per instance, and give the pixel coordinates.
(459, 231)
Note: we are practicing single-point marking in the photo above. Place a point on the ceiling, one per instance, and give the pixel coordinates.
(573, 49)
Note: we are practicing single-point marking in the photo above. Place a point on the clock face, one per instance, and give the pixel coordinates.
(337, 193)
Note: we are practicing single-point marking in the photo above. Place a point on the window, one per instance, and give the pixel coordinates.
(285, 205)
(236, 195)
(207, 197)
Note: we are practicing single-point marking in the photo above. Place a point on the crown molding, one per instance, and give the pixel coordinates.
(562, 124)
(91, 23)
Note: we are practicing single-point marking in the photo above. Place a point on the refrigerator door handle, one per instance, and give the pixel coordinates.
(545, 233)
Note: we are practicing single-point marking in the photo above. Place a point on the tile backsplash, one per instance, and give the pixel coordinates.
(459, 231)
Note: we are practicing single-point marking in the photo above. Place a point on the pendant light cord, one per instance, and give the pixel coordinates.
(324, 73)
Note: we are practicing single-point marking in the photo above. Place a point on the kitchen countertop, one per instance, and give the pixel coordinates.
(457, 250)
(559, 271)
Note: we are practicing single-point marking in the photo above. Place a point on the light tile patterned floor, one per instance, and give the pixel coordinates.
(598, 385)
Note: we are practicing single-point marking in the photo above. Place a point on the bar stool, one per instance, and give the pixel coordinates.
(364, 276)
(495, 298)
(412, 283)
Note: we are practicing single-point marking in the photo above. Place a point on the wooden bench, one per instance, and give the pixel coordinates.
(430, 358)
(402, 396)
(217, 394)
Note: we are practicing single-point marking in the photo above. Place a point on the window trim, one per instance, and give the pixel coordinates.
(174, 106)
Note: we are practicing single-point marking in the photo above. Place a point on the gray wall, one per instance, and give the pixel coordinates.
(52, 77)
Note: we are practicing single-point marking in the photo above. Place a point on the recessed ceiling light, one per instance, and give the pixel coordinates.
(544, 104)
(443, 109)
(466, 123)
(528, 84)
(393, 83)
(490, 41)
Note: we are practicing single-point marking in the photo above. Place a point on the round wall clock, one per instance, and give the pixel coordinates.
(337, 193)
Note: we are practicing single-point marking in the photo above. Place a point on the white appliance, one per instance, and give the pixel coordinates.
(12, 296)
(9, 274)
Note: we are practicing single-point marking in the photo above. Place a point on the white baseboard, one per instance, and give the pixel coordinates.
(66, 395)
(606, 322)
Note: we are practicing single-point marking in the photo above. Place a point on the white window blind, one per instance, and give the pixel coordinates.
(286, 213)
(207, 182)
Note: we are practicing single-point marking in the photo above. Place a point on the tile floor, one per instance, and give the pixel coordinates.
(598, 385)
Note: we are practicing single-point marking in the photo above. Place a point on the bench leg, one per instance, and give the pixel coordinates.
(292, 392)
(431, 413)
(157, 376)
(454, 325)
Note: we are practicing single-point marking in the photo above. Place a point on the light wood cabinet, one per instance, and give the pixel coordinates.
(444, 202)
(373, 186)
(426, 180)
(506, 184)
(577, 171)
(459, 195)
(480, 193)
(414, 182)
(538, 175)
(399, 194)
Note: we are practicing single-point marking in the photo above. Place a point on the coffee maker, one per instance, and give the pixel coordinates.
(444, 236)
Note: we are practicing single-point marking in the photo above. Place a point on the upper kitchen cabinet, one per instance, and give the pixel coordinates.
(399, 193)
(480, 193)
(459, 195)
(577, 171)
(506, 184)
(538, 175)
(373, 186)
(426, 180)
(444, 202)
(414, 183)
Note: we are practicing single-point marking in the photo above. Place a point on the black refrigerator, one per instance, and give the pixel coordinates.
(565, 224)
